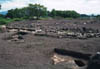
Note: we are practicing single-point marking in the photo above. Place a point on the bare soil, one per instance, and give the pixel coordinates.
(36, 52)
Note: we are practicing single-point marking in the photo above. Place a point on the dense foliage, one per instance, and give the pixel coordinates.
(98, 16)
(32, 11)
(64, 14)
(37, 11)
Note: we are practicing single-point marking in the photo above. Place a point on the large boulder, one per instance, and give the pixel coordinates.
(3, 28)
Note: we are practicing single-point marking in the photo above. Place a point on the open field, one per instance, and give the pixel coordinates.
(37, 44)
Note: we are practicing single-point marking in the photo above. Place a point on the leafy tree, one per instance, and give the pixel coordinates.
(53, 13)
(84, 15)
(65, 14)
(10, 13)
(37, 10)
(33, 10)
(98, 16)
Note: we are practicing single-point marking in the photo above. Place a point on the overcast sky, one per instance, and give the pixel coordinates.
(81, 6)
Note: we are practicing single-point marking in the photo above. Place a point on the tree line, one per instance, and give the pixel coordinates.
(37, 11)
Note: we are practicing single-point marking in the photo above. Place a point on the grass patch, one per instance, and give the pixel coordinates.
(4, 21)
(18, 19)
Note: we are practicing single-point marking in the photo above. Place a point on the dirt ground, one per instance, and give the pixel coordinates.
(36, 52)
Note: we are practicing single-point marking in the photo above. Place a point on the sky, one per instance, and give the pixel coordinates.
(81, 6)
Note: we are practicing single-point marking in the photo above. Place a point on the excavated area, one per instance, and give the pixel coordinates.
(21, 48)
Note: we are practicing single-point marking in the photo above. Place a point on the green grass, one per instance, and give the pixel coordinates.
(4, 21)
(18, 19)
(45, 18)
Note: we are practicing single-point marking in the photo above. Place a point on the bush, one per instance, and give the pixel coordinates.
(3, 22)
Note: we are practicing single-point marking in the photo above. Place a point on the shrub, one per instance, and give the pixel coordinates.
(3, 22)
